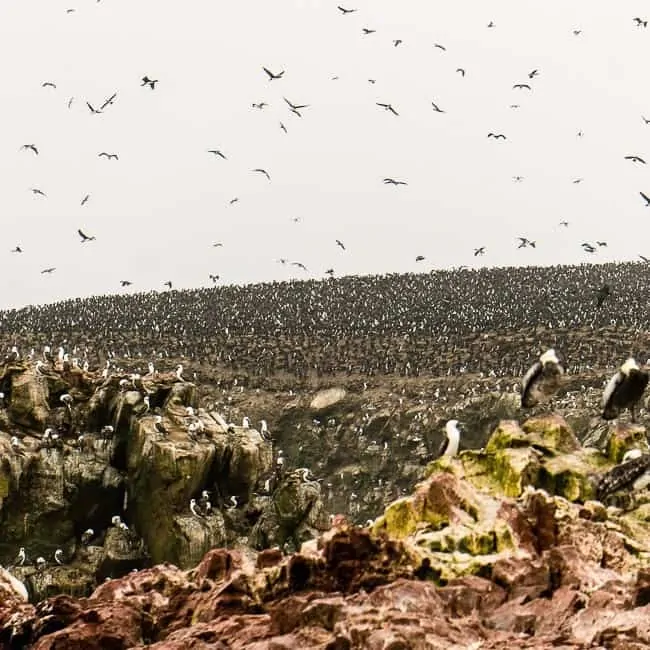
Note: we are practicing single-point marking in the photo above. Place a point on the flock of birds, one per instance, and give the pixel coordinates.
(277, 78)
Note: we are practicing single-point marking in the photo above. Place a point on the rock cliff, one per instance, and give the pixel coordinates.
(500, 546)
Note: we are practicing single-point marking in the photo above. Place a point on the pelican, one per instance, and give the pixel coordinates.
(542, 379)
(624, 390)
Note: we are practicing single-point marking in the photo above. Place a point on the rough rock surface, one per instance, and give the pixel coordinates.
(460, 563)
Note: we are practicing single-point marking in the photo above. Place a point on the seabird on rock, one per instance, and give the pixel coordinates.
(233, 503)
(58, 556)
(179, 373)
(624, 390)
(87, 536)
(116, 521)
(246, 423)
(22, 556)
(542, 379)
(194, 508)
(159, 426)
(451, 441)
(40, 563)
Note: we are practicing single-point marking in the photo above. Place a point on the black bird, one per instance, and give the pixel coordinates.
(436, 108)
(272, 75)
(603, 293)
(647, 121)
(345, 11)
(260, 105)
(522, 86)
(533, 73)
(497, 136)
(479, 251)
(624, 390)
(392, 181)
(329, 272)
(601, 243)
(564, 223)
(48, 84)
(542, 379)
(577, 180)
(51, 269)
(635, 159)
(440, 47)
(233, 201)
(18, 249)
(35, 190)
(420, 258)
(340, 243)
(214, 278)
(168, 284)
(644, 258)
(397, 41)
(217, 244)
(461, 70)
(93, 109)
(216, 152)
(149, 82)
(108, 102)
(283, 127)
(300, 265)
(640, 22)
(588, 248)
(523, 242)
(84, 237)
(387, 107)
(31, 147)
(108, 156)
(262, 171)
(85, 199)
(646, 198)
(367, 31)
(125, 283)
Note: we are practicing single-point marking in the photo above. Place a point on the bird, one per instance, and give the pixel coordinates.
(517, 179)
(149, 82)
(397, 41)
(451, 441)
(646, 198)
(632, 471)
(262, 171)
(640, 22)
(58, 556)
(272, 75)
(299, 265)
(367, 31)
(194, 507)
(497, 136)
(108, 156)
(84, 237)
(158, 425)
(168, 284)
(216, 152)
(522, 87)
(31, 147)
(18, 249)
(479, 251)
(51, 269)
(125, 283)
(40, 563)
(283, 127)
(108, 102)
(542, 379)
(233, 503)
(35, 190)
(603, 293)
(601, 244)
(179, 373)
(387, 107)
(87, 536)
(48, 84)
(295, 107)
(461, 71)
(214, 278)
(624, 390)
(440, 47)
(22, 556)
(420, 258)
(645, 119)
(392, 181)
(259, 105)
(345, 11)
(533, 73)
(436, 108)
(564, 223)
(92, 109)
(635, 159)
(85, 199)
(340, 243)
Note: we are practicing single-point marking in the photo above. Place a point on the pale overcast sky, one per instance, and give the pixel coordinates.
(157, 210)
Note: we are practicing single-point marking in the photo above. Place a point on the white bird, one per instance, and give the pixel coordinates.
(40, 563)
(87, 535)
(58, 556)
(233, 502)
(179, 373)
(22, 556)
(194, 508)
(451, 441)
(246, 423)
(116, 521)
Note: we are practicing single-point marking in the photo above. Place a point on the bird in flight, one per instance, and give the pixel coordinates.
(84, 237)
(645, 119)
(217, 244)
(646, 198)
(479, 251)
(461, 71)
(168, 284)
(436, 108)
(51, 269)
(18, 249)
(601, 243)
(262, 171)
(644, 258)
(397, 41)
(533, 73)
(640, 22)
(387, 107)
(578, 180)
(523, 242)
(233, 201)
(214, 278)
(31, 147)
(635, 159)
(108, 156)
(259, 105)
(522, 87)
(295, 107)
(345, 11)
(329, 272)
(85, 199)
(392, 181)
(299, 265)
(272, 75)
(108, 102)
(497, 136)
(340, 243)
(216, 152)
(48, 84)
(367, 31)
(588, 248)
(440, 47)
(517, 179)
(35, 190)
(93, 110)
(283, 127)
(149, 82)
(564, 223)
(420, 258)
(125, 283)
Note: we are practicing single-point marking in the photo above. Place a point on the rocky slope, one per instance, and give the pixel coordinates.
(500, 546)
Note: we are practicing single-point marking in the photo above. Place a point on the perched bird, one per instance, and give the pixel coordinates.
(149, 82)
(84, 237)
(624, 390)
(194, 508)
(58, 556)
(87, 536)
(451, 441)
(158, 425)
(22, 556)
(542, 379)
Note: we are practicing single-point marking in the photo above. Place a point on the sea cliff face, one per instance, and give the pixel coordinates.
(506, 545)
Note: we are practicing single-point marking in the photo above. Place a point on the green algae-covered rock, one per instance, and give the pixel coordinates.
(551, 434)
(624, 437)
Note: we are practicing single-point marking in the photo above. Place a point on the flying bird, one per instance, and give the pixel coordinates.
(542, 379)
(436, 108)
(92, 109)
(461, 71)
(108, 102)
(300, 265)
(214, 278)
(345, 11)
(533, 73)
(149, 82)
(397, 41)
(216, 152)
(340, 243)
(420, 258)
(31, 147)
(262, 171)
(51, 269)
(84, 237)
(644, 258)
(168, 284)
(85, 199)
(387, 107)
(635, 159)
(48, 84)
(217, 244)
(497, 136)
(272, 75)
(35, 190)
(479, 251)
(646, 198)
(18, 249)
(624, 390)
(295, 106)
(522, 87)
(108, 156)
(367, 31)
(259, 105)
(392, 181)
(125, 283)
(283, 127)
(440, 47)
(564, 223)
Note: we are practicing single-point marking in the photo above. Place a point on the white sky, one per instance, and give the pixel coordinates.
(157, 210)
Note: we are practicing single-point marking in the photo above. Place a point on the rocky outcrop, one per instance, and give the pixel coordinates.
(462, 562)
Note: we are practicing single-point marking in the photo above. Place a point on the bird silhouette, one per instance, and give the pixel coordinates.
(345, 11)
(214, 278)
(259, 105)
(272, 75)
(262, 171)
(85, 199)
(646, 198)
(367, 31)
(146, 81)
(387, 107)
(522, 87)
(392, 181)
(108, 102)
(497, 136)
(92, 109)
(48, 84)
(51, 269)
(125, 283)
(108, 156)
(35, 190)
(84, 237)
(30, 147)
(440, 47)
(461, 70)
(420, 258)
(216, 152)
(18, 249)
(340, 243)
(397, 41)
(168, 284)
(533, 73)
(299, 265)
(635, 159)
(479, 251)
(436, 108)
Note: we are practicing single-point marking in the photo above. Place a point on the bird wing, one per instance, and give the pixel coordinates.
(527, 382)
(645, 196)
(443, 446)
(81, 234)
(611, 387)
(268, 72)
